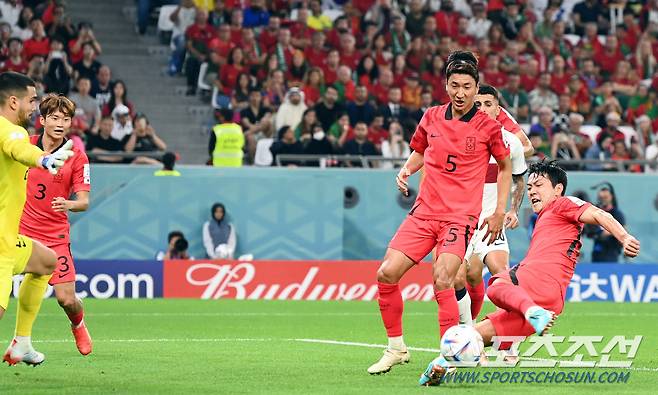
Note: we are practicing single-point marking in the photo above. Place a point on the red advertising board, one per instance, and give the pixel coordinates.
(293, 280)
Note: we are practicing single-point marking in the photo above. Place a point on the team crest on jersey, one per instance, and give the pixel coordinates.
(58, 178)
(470, 144)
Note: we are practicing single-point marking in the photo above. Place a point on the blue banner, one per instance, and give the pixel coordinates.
(118, 279)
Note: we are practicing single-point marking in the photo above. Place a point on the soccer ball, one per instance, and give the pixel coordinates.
(462, 343)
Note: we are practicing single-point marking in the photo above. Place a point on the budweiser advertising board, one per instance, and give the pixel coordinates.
(291, 280)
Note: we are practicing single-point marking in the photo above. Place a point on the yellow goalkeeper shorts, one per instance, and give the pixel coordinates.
(11, 267)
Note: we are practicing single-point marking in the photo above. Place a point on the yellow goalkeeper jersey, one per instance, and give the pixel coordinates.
(17, 154)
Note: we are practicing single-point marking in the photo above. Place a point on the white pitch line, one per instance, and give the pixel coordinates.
(314, 341)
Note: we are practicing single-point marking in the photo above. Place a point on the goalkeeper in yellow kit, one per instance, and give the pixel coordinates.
(20, 254)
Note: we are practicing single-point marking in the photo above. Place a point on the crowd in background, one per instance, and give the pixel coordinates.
(39, 39)
(580, 75)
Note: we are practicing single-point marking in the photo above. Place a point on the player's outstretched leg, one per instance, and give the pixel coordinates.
(391, 307)
(514, 298)
(436, 371)
(40, 265)
(65, 294)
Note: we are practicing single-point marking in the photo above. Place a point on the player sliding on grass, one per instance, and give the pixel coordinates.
(531, 294)
(454, 142)
(45, 219)
(496, 255)
(18, 253)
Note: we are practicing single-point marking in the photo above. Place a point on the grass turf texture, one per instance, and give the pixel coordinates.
(140, 347)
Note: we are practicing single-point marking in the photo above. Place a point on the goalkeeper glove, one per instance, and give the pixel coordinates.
(53, 162)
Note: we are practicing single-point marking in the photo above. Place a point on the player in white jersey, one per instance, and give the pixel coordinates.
(468, 285)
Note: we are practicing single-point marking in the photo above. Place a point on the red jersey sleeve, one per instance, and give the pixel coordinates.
(571, 208)
(419, 139)
(497, 145)
(81, 174)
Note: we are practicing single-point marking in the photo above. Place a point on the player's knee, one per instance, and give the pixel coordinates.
(66, 301)
(386, 275)
(50, 262)
(441, 283)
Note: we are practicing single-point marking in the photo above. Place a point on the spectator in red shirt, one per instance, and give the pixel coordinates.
(269, 36)
(198, 37)
(367, 72)
(529, 74)
(496, 38)
(313, 85)
(463, 38)
(85, 35)
(579, 95)
(447, 19)
(380, 51)
(560, 77)
(400, 70)
(492, 74)
(15, 61)
(330, 68)
(435, 78)
(237, 18)
(316, 53)
(39, 44)
(228, 75)
(349, 55)
(589, 43)
(384, 84)
(609, 56)
(219, 48)
(341, 26)
(301, 32)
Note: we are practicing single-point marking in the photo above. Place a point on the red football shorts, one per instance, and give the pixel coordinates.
(543, 290)
(416, 237)
(65, 271)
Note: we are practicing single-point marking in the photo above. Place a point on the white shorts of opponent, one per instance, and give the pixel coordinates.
(480, 248)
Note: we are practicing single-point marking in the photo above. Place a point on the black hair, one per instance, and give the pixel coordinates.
(174, 233)
(181, 245)
(488, 90)
(14, 84)
(606, 186)
(462, 62)
(12, 39)
(282, 130)
(550, 170)
(113, 100)
(169, 160)
(226, 114)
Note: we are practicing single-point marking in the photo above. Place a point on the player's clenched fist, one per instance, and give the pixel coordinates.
(402, 179)
(55, 161)
(631, 246)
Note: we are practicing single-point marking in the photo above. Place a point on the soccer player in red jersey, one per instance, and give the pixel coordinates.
(454, 143)
(530, 294)
(45, 216)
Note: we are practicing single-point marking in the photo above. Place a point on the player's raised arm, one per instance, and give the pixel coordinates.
(595, 216)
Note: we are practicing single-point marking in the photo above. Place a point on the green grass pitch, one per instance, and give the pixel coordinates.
(230, 347)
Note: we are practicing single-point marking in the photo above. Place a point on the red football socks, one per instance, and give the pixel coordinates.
(391, 306)
(448, 309)
(76, 318)
(477, 298)
(510, 297)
